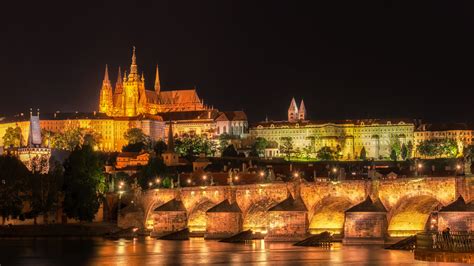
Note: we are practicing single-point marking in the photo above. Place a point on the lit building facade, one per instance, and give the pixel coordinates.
(349, 136)
(111, 129)
(461, 133)
(130, 105)
(130, 97)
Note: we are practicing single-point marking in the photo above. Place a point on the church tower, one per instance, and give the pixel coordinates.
(302, 111)
(293, 111)
(157, 81)
(106, 102)
(134, 90)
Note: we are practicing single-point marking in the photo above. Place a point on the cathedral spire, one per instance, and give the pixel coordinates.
(106, 76)
(157, 81)
(119, 83)
(302, 111)
(293, 111)
(133, 67)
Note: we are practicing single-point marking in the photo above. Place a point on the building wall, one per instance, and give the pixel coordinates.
(112, 130)
(463, 138)
(351, 138)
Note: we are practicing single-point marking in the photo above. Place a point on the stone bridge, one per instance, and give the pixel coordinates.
(409, 202)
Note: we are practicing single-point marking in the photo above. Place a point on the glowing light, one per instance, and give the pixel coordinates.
(420, 165)
(158, 180)
(334, 170)
(458, 166)
(261, 173)
(296, 174)
(189, 181)
(150, 184)
(121, 183)
(236, 177)
(204, 177)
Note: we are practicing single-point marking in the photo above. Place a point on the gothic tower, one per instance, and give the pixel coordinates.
(302, 111)
(134, 90)
(293, 111)
(157, 81)
(106, 97)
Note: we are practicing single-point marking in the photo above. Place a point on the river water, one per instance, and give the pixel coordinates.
(148, 251)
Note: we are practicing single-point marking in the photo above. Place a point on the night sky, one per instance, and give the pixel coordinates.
(360, 59)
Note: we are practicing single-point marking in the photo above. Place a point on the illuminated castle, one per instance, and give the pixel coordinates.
(130, 97)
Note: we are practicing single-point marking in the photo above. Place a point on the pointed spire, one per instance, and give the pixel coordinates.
(293, 111)
(157, 81)
(143, 76)
(302, 111)
(133, 67)
(106, 76)
(119, 83)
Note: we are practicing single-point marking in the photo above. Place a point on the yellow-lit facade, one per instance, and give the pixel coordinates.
(112, 130)
(351, 136)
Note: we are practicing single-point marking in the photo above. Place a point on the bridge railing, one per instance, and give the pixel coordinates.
(451, 242)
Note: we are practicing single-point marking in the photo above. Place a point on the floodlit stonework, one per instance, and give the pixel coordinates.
(265, 208)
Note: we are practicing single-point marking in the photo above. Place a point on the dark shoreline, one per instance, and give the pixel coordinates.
(58, 230)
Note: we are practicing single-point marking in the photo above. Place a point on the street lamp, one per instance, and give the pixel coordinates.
(120, 192)
(189, 180)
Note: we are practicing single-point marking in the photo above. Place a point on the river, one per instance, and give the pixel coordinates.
(148, 251)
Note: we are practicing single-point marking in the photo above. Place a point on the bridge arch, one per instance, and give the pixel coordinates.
(152, 199)
(197, 215)
(411, 214)
(256, 216)
(328, 214)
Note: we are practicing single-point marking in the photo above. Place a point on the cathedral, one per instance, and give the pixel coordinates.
(130, 98)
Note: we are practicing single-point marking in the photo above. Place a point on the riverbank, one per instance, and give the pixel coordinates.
(58, 230)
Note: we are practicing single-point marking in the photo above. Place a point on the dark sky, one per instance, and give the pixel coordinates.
(354, 59)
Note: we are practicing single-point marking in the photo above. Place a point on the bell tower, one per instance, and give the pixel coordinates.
(293, 111)
(106, 98)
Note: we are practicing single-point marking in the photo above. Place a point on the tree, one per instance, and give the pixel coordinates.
(151, 171)
(91, 138)
(136, 135)
(192, 145)
(223, 141)
(159, 147)
(230, 151)
(134, 147)
(326, 154)
(409, 149)
(13, 137)
(438, 148)
(286, 147)
(84, 184)
(404, 152)
(260, 145)
(395, 146)
(363, 154)
(13, 183)
(393, 155)
(45, 190)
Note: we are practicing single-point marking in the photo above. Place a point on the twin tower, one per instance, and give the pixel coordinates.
(295, 114)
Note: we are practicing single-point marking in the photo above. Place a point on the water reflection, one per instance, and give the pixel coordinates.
(145, 251)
